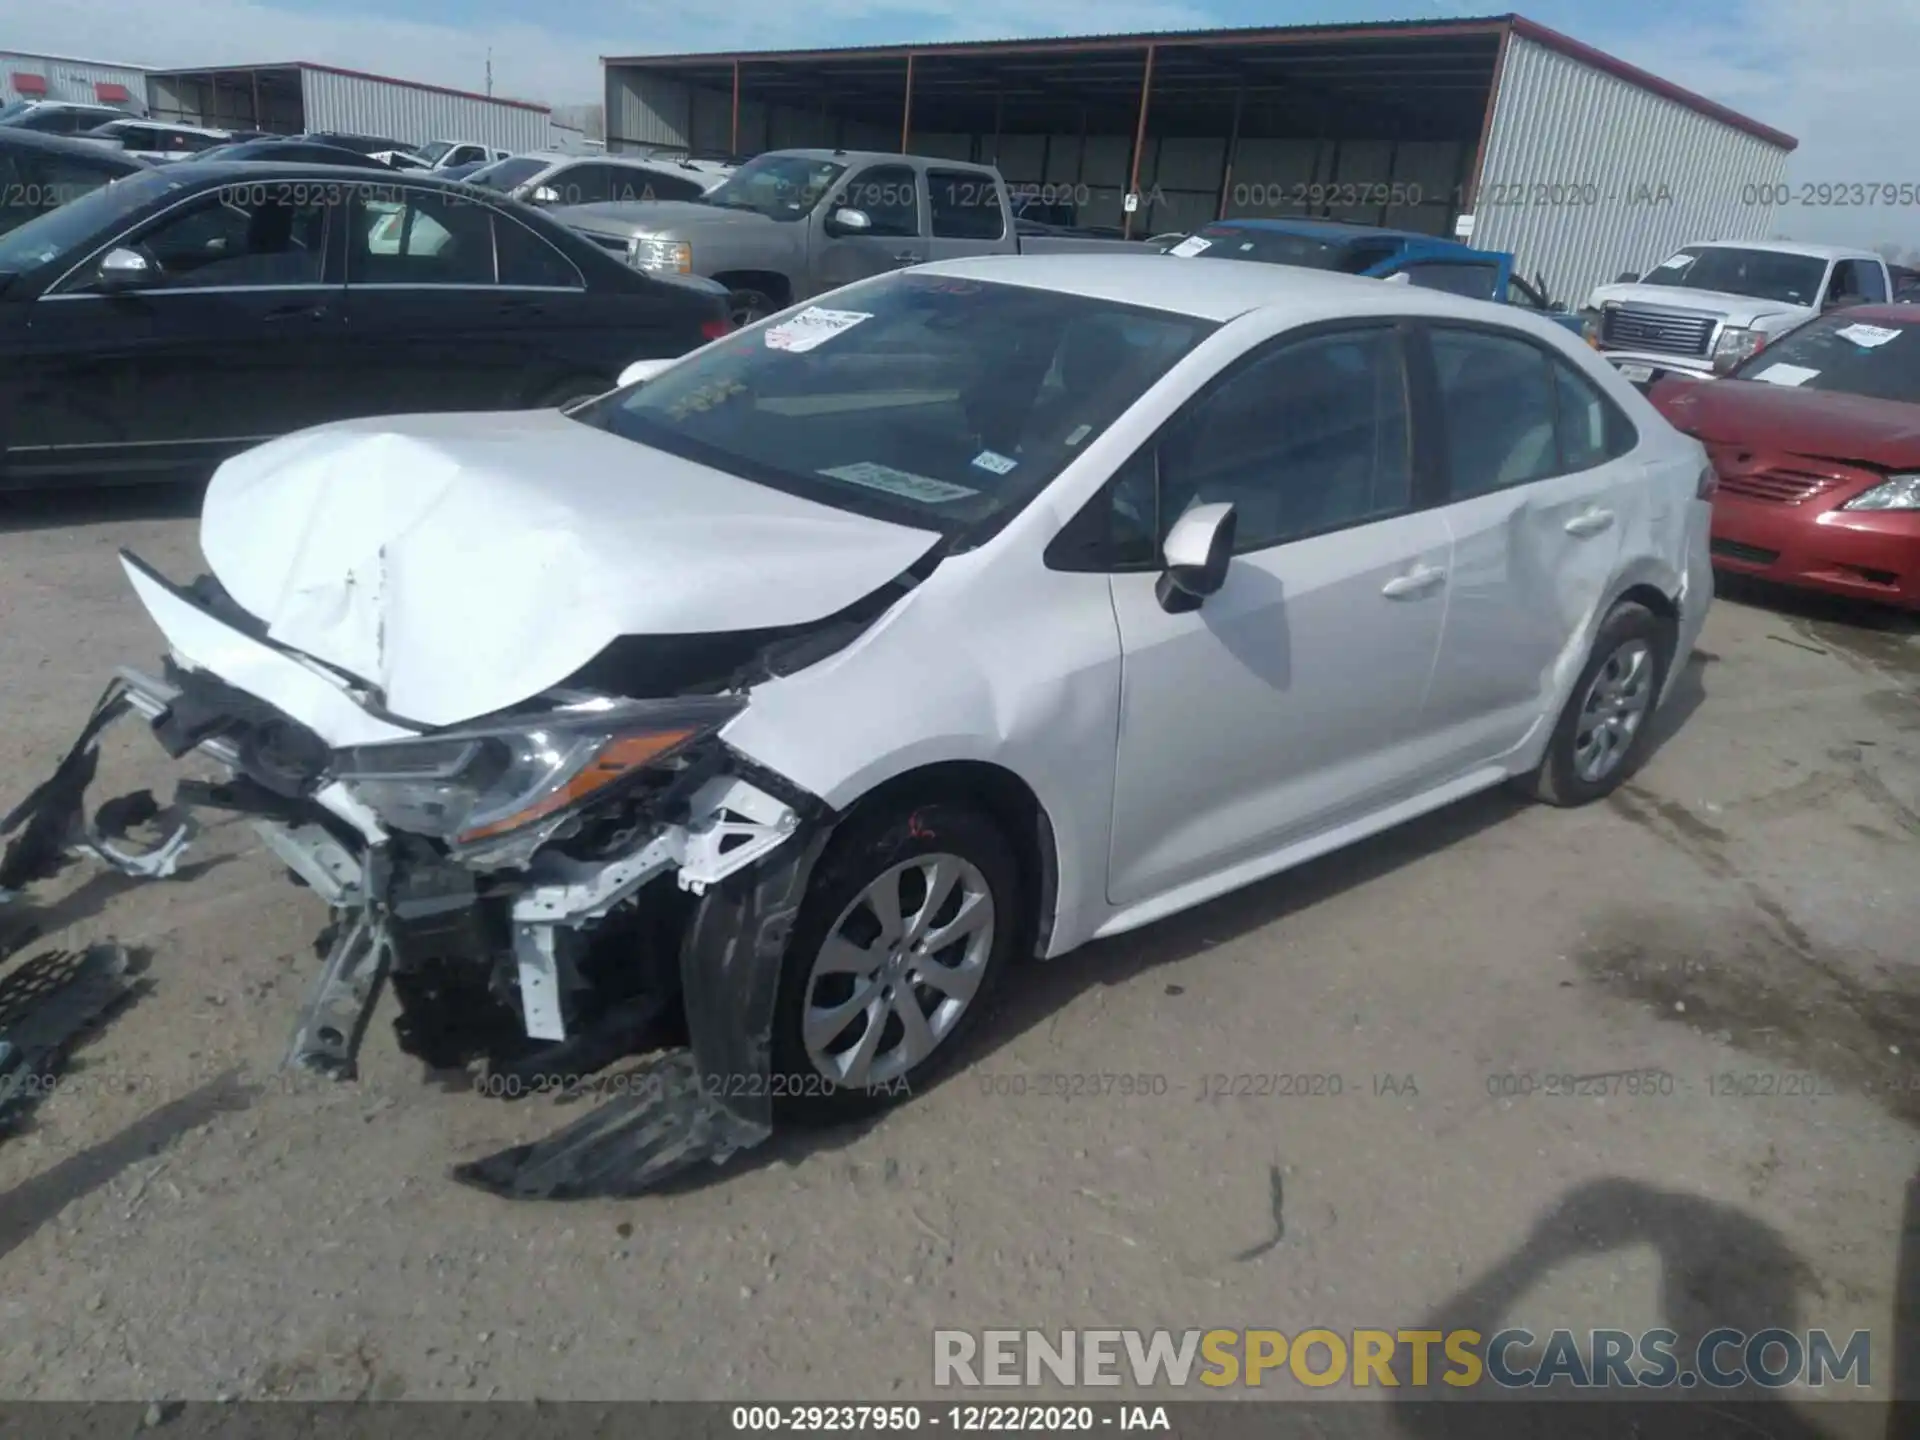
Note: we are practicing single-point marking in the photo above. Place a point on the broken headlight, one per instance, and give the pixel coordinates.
(475, 784)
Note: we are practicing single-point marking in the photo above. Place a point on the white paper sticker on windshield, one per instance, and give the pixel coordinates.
(1678, 262)
(996, 462)
(1080, 432)
(1786, 375)
(1192, 245)
(1869, 335)
(812, 326)
(900, 482)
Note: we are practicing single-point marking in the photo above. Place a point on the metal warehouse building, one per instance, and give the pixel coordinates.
(301, 96)
(1497, 128)
(60, 77)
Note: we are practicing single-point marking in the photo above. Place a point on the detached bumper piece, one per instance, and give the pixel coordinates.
(52, 823)
(663, 1123)
(46, 1003)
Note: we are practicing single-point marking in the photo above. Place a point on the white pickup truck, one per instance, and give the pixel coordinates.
(1709, 306)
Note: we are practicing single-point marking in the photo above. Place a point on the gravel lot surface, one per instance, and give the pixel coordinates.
(181, 1222)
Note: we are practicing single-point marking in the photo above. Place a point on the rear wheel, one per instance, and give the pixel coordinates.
(1604, 732)
(906, 927)
(744, 307)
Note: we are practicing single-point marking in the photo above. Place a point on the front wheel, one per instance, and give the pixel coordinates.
(1603, 733)
(906, 926)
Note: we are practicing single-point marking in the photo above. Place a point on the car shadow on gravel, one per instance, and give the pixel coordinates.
(32, 1203)
(1719, 1267)
(61, 505)
(1877, 634)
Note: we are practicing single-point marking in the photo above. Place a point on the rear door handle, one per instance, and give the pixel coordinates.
(1589, 524)
(1416, 582)
(907, 257)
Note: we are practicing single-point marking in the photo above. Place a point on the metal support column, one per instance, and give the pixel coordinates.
(906, 110)
(1233, 149)
(1139, 144)
(733, 148)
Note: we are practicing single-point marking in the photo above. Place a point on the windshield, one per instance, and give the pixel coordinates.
(48, 237)
(503, 175)
(1877, 358)
(927, 400)
(433, 150)
(781, 187)
(1762, 274)
(1274, 247)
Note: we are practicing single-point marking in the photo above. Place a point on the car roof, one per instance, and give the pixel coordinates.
(167, 125)
(1208, 289)
(1328, 230)
(1785, 247)
(62, 145)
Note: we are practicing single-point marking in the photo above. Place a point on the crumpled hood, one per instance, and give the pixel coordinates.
(1742, 310)
(464, 563)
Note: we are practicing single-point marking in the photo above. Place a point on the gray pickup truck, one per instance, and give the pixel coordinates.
(792, 224)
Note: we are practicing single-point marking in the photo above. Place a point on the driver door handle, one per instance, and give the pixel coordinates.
(302, 311)
(1589, 523)
(907, 257)
(1416, 582)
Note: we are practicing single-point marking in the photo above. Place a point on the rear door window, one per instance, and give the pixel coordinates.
(966, 206)
(1497, 404)
(419, 237)
(525, 259)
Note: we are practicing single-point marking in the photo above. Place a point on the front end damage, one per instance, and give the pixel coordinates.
(554, 890)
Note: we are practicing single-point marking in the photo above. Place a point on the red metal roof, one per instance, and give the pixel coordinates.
(1263, 36)
(190, 73)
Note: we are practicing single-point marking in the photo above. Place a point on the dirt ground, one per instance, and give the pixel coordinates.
(179, 1222)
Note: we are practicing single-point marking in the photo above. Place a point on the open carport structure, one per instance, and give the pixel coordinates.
(1496, 127)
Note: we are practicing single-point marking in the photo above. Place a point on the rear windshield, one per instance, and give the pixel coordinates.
(1855, 357)
(503, 175)
(1729, 270)
(932, 401)
(1278, 247)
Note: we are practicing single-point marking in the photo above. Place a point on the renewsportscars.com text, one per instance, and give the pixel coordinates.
(1511, 1359)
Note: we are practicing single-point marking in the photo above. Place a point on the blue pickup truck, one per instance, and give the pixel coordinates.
(1368, 250)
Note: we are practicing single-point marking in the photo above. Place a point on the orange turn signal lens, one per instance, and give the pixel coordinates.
(618, 757)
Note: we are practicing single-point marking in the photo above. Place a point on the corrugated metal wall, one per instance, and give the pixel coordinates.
(645, 110)
(1587, 175)
(70, 79)
(364, 106)
(226, 102)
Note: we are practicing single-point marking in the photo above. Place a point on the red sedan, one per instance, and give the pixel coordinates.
(1816, 441)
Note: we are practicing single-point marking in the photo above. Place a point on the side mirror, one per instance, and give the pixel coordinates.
(1627, 277)
(1196, 554)
(544, 195)
(639, 372)
(847, 221)
(124, 269)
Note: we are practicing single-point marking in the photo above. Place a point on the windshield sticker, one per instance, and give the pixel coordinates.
(1868, 335)
(900, 482)
(1786, 375)
(812, 327)
(994, 461)
(1080, 432)
(1678, 262)
(1192, 245)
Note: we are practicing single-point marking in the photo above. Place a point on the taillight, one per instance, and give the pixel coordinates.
(716, 329)
(1708, 483)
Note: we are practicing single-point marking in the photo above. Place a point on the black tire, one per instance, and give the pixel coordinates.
(570, 392)
(865, 850)
(1558, 780)
(744, 307)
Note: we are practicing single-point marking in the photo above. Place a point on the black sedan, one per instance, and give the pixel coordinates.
(154, 327)
(40, 172)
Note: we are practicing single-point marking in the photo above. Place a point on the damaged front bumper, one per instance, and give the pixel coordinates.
(721, 857)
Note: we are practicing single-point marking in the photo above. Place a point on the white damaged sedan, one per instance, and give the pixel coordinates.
(786, 698)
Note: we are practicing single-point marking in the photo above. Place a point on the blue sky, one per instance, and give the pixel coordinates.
(1836, 74)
